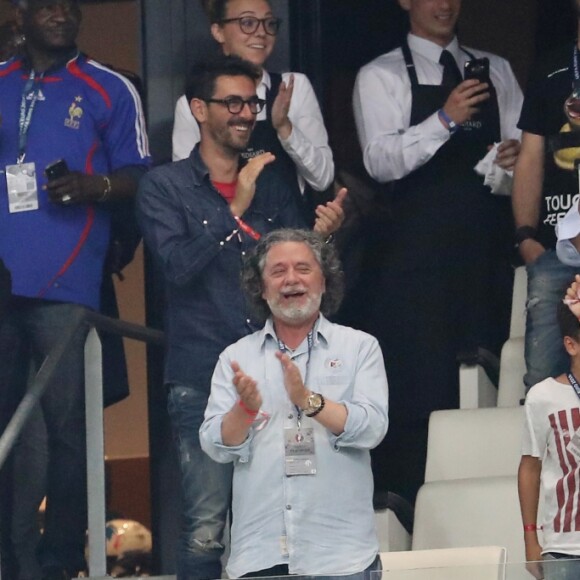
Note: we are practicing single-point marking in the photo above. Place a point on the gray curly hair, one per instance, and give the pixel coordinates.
(325, 254)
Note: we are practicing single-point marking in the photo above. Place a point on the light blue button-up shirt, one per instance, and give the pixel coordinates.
(317, 524)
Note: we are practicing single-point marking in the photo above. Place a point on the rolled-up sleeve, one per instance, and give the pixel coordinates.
(368, 410)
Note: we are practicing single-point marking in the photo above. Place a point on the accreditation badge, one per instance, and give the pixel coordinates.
(22, 187)
(299, 451)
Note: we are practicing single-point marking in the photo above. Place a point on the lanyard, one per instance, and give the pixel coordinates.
(32, 91)
(283, 348)
(247, 228)
(574, 383)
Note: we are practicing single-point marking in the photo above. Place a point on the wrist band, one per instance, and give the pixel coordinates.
(531, 527)
(524, 233)
(452, 126)
(248, 412)
(108, 189)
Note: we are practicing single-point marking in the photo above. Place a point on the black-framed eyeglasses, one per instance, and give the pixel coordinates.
(235, 105)
(249, 24)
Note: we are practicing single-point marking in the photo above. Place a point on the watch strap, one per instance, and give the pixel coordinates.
(524, 233)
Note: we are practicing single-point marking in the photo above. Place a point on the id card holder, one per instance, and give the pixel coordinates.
(22, 188)
(299, 455)
(573, 446)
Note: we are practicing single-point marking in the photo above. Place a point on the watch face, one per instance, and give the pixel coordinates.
(314, 401)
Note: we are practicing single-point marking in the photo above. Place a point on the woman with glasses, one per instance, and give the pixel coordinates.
(290, 125)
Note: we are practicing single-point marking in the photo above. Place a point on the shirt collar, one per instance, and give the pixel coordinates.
(322, 329)
(265, 81)
(66, 58)
(199, 168)
(430, 50)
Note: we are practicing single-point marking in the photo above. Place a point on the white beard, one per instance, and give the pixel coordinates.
(295, 314)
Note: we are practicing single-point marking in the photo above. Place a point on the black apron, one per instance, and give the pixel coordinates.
(436, 280)
(265, 139)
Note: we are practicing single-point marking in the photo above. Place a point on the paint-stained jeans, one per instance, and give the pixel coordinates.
(548, 279)
(206, 489)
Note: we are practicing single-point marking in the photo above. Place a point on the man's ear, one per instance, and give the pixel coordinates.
(405, 4)
(217, 33)
(198, 109)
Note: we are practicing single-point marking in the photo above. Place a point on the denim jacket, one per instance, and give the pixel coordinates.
(189, 229)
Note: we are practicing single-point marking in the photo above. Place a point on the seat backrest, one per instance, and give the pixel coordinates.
(393, 537)
(475, 563)
(468, 443)
(511, 389)
(519, 297)
(469, 512)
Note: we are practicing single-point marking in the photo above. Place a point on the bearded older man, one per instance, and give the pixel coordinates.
(296, 407)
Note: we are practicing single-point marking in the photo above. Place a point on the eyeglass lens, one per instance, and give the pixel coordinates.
(249, 24)
(236, 104)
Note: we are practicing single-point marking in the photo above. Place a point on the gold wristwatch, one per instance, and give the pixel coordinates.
(314, 404)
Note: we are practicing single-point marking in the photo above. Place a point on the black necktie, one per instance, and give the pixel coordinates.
(451, 75)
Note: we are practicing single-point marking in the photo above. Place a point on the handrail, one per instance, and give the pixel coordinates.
(94, 414)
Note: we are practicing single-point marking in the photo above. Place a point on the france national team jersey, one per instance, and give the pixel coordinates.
(92, 118)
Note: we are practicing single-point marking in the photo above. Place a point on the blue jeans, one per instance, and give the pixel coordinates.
(206, 489)
(29, 332)
(371, 572)
(548, 280)
(561, 567)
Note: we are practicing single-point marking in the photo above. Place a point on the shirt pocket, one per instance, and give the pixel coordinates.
(211, 219)
(336, 387)
(263, 219)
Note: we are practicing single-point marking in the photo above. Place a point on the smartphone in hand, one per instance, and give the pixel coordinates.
(477, 68)
(56, 169)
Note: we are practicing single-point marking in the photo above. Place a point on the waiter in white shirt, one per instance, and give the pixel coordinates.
(291, 125)
(436, 278)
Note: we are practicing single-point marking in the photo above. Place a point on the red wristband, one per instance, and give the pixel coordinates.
(531, 527)
(247, 228)
(248, 412)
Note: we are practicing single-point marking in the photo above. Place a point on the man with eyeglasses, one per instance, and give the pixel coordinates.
(291, 125)
(199, 217)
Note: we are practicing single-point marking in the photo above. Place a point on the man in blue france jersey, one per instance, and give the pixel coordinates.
(58, 104)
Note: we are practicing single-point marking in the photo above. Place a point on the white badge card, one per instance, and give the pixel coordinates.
(574, 445)
(299, 451)
(22, 187)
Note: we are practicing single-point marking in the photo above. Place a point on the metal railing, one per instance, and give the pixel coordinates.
(94, 416)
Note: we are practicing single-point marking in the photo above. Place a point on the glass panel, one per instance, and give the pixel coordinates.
(561, 569)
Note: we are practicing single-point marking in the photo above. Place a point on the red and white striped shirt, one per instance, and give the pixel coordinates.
(552, 419)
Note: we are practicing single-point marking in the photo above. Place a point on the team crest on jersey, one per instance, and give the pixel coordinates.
(75, 114)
